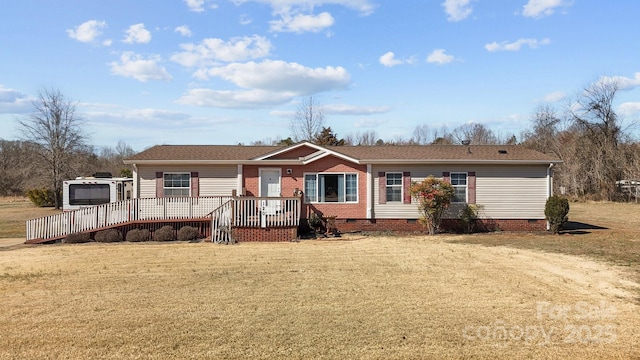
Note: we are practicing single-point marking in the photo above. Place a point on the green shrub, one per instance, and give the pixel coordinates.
(41, 197)
(138, 235)
(77, 238)
(556, 211)
(468, 217)
(109, 235)
(188, 233)
(165, 233)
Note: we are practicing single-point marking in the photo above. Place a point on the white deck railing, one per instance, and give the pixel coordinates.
(263, 212)
(105, 215)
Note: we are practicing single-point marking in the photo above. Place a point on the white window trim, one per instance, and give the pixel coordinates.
(386, 177)
(164, 188)
(304, 175)
(466, 186)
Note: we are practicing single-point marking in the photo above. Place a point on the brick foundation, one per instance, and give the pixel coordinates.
(243, 234)
(449, 225)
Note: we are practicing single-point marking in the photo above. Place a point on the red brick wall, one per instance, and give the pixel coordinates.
(295, 180)
(259, 234)
(404, 225)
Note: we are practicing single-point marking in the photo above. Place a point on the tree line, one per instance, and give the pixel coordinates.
(598, 148)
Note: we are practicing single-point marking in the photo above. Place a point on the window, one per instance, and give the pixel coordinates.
(177, 184)
(394, 187)
(459, 183)
(89, 194)
(329, 188)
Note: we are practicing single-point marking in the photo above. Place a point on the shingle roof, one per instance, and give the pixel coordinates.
(363, 154)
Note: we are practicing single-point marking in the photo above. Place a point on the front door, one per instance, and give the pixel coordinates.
(270, 187)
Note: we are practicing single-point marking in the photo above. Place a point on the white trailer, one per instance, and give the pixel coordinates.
(90, 191)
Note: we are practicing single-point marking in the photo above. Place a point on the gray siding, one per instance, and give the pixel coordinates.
(504, 192)
(215, 180)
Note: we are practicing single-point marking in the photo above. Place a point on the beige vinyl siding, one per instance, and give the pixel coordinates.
(215, 180)
(511, 192)
(505, 192)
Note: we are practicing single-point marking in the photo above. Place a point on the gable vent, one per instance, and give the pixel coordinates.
(502, 151)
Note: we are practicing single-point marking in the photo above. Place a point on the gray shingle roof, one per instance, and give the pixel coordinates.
(362, 154)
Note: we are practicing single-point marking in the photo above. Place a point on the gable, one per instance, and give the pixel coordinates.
(292, 153)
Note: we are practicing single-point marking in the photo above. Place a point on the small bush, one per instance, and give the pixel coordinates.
(188, 233)
(41, 197)
(165, 233)
(556, 210)
(138, 235)
(109, 235)
(468, 217)
(77, 238)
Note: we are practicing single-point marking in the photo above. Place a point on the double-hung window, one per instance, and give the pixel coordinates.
(394, 187)
(176, 184)
(459, 183)
(331, 188)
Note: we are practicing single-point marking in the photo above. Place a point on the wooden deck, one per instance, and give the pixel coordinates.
(215, 216)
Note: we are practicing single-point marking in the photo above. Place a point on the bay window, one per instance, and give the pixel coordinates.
(331, 188)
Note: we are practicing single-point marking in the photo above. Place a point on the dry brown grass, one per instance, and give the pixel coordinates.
(13, 213)
(361, 298)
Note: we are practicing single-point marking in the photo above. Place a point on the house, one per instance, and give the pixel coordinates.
(364, 187)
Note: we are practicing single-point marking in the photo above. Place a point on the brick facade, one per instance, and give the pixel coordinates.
(244, 234)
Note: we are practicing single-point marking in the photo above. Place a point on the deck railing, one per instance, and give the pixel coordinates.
(253, 212)
(226, 212)
(105, 215)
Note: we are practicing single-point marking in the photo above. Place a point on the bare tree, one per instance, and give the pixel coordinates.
(362, 138)
(478, 134)
(594, 116)
(56, 134)
(308, 121)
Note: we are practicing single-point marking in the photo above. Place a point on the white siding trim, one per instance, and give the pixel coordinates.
(239, 177)
(369, 192)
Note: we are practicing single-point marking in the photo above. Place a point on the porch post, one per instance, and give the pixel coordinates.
(239, 187)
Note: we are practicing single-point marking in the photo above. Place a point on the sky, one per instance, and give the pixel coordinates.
(151, 72)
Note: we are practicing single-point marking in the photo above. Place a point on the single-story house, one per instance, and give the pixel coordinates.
(364, 187)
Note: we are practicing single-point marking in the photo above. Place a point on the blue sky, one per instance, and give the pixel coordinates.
(234, 71)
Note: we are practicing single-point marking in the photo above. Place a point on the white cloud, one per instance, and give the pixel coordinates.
(630, 108)
(342, 109)
(234, 99)
(245, 19)
(389, 59)
(280, 76)
(298, 15)
(88, 31)
(516, 45)
(266, 84)
(457, 9)
(195, 5)
(303, 23)
(183, 30)
(137, 34)
(135, 66)
(210, 51)
(14, 102)
(555, 96)
(541, 8)
(141, 114)
(439, 56)
(364, 7)
(624, 83)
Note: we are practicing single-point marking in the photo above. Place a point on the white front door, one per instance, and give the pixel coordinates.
(270, 186)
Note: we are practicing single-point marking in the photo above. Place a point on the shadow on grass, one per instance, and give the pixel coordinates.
(579, 228)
